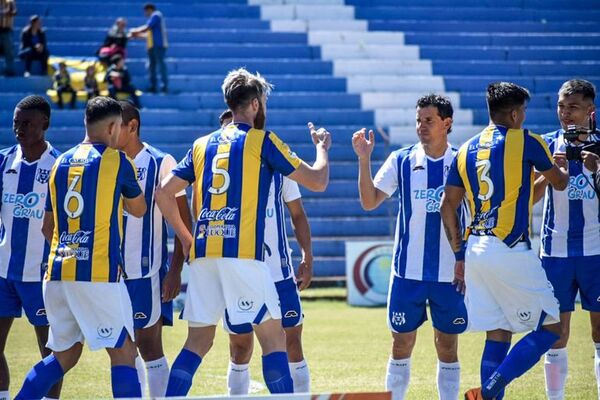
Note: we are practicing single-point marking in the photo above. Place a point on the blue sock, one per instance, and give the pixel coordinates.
(41, 378)
(524, 355)
(276, 372)
(125, 382)
(493, 355)
(182, 372)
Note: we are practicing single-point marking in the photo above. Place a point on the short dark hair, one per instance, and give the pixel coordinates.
(227, 114)
(100, 108)
(35, 102)
(578, 86)
(240, 87)
(443, 105)
(503, 97)
(34, 18)
(149, 6)
(130, 112)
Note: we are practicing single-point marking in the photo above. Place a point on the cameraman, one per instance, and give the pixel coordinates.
(570, 236)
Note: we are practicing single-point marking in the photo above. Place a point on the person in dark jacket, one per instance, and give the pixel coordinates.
(115, 42)
(34, 45)
(119, 80)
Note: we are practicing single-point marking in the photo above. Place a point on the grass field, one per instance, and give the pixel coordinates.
(347, 350)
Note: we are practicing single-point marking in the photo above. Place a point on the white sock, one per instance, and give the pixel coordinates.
(556, 366)
(597, 366)
(141, 371)
(158, 377)
(43, 398)
(398, 375)
(4, 395)
(300, 376)
(448, 380)
(238, 378)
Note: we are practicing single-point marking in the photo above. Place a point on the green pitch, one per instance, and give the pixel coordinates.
(347, 349)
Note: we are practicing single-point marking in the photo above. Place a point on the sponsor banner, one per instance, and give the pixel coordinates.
(368, 267)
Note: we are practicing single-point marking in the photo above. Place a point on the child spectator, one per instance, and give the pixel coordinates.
(119, 80)
(62, 84)
(90, 82)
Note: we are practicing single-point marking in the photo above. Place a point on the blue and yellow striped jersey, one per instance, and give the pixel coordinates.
(232, 169)
(496, 168)
(86, 185)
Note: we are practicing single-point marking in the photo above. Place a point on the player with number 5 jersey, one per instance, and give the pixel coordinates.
(231, 170)
(86, 299)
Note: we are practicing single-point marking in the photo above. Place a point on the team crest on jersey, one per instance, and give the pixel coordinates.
(42, 175)
(141, 173)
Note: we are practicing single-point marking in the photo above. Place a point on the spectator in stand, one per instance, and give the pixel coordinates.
(62, 84)
(119, 80)
(90, 83)
(156, 36)
(115, 42)
(33, 45)
(8, 10)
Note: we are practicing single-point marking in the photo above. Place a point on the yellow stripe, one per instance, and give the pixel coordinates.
(513, 171)
(149, 39)
(484, 154)
(52, 194)
(198, 155)
(251, 168)
(285, 150)
(544, 145)
(462, 170)
(69, 265)
(214, 243)
(110, 163)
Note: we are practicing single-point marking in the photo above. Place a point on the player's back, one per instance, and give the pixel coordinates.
(233, 168)
(497, 169)
(86, 185)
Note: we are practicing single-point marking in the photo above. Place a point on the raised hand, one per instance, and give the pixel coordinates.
(362, 146)
(320, 136)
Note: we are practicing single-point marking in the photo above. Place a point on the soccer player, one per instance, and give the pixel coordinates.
(423, 268)
(506, 288)
(145, 255)
(571, 235)
(233, 169)
(278, 258)
(85, 297)
(24, 172)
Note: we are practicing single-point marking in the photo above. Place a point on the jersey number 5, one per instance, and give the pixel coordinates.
(220, 171)
(73, 195)
(483, 173)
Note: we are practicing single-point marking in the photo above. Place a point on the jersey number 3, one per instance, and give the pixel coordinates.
(71, 197)
(485, 181)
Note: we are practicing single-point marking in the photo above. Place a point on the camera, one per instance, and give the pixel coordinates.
(572, 135)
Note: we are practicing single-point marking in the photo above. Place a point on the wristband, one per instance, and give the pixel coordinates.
(460, 255)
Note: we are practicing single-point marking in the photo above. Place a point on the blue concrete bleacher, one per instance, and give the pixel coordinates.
(537, 43)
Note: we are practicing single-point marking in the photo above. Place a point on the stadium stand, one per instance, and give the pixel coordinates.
(342, 65)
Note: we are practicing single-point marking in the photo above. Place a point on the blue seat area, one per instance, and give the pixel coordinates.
(407, 25)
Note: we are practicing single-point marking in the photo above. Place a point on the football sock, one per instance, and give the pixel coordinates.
(238, 379)
(182, 372)
(556, 366)
(524, 355)
(276, 372)
(141, 371)
(493, 355)
(125, 382)
(398, 375)
(300, 376)
(41, 378)
(448, 380)
(158, 377)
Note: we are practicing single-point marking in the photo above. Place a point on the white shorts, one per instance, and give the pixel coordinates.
(506, 288)
(243, 287)
(97, 312)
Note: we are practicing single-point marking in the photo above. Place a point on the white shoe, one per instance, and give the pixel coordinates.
(27, 74)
